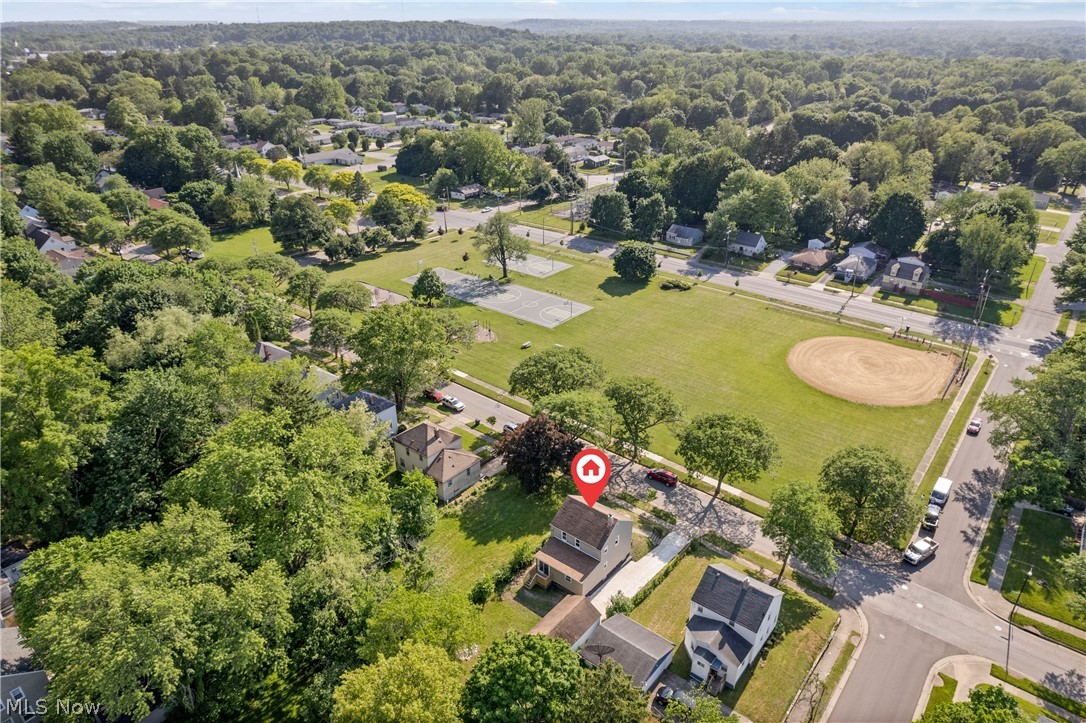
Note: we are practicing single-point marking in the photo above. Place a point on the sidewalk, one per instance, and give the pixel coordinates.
(948, 419)
(969, 671)
(990, 596)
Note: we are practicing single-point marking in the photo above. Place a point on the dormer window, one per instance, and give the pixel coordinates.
(576, 543)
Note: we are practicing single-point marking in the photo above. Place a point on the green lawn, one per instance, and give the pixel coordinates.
(709, 360)
(838, 670)
(766, 690)
(982, 568)
(1053, 218)
(941, 694)
(242, 244)
(1032, 711)
(1068, 704)
(790, 272)
(858, 289)
(380, 179)
(1045, 236)
(1026, 278)
(996, 311)
(1043, 539)
(1064, 324)
(475, 539)
(732, 260)
(1062, 637)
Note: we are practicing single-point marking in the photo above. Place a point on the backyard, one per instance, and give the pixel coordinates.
(766, 690)
(722, 351)
(477, 537)
(1043, 539)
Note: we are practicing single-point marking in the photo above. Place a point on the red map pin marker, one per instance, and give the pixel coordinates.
(591, 469)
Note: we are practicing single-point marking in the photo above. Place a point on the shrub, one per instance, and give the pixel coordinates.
(466, 255)
(481, 591)
(460, 232)
(620, 605)
(677, 284)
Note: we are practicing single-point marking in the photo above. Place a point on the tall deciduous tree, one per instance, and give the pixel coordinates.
(162, 615)
(285, 170)
(346, 295)
(499, 244)
(399, 208)
(802, 526)
(869, 490)
(536, 450)
(635, 261)
(428, 287)
(607, 695)
(641, 403)
(402, 349)
(651, 217)
(522, 677)
(554, 371)
(899, 222)
(729, 447)
(447, 622)
(414, 503)
(298, 223)
(55, 411)
(528, 121)
(610, 211)
(1041, 428)
(318, 176)
(331, 331)
(420, 684)
(305, 284)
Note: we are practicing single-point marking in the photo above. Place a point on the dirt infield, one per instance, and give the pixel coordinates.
(870, 371)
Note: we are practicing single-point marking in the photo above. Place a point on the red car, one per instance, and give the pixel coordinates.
(433, 395)
(666, 476)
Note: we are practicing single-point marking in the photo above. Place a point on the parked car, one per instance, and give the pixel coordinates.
(433, 395)
(452, 403)
(667, 694)
(931, 517)
(973, 428)
(510, 427)
(666, 476)
(487, 209)
(920, 550)
(192, 254)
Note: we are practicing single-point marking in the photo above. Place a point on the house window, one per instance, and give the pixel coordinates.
(544, 568)
(568, 578)
(576, 543)
(563, 535)
(605, 551)
(700, 609)
(732, 623)
(17, 694)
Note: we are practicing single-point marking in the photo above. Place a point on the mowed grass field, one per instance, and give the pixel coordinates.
(715, 350)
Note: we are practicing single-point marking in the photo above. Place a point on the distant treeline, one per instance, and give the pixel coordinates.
(1046, 39)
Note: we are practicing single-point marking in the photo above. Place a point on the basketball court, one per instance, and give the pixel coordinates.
(519, 302)
(536, 266)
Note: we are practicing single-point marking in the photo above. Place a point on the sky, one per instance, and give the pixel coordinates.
(508, 10)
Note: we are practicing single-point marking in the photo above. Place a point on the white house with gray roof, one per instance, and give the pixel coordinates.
(907, 274)
(684, 235)
(731, 617)
(748, 243)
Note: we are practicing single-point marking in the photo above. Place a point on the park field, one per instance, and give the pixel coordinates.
(715, 350)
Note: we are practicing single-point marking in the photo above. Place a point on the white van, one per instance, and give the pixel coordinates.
(940, 493)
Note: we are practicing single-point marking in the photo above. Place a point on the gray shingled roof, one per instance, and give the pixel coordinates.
(735, 596)
(567, 559)
(375, 403)
(748, 238)
(717, 640)
(636, 648)
(588, 524)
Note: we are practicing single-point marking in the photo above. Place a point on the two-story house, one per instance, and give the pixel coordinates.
(586, 545)
(907, 274)
(440, 455)
(731, 617)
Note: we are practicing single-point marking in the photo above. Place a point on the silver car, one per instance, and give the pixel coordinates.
(452, 403)
(931, 517)
(920, 550)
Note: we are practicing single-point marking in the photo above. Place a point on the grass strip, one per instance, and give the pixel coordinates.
(1056, 635)
(1068, 704)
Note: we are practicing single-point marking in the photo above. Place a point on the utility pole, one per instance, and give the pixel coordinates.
(977, 315)
(571, 202)
(445, 210)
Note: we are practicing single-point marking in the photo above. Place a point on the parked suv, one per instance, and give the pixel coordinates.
(452, 403)
(931, 517)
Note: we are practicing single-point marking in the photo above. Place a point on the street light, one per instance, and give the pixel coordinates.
(1010, 619)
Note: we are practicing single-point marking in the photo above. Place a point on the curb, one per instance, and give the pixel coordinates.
(936, 668)
(864, 632)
